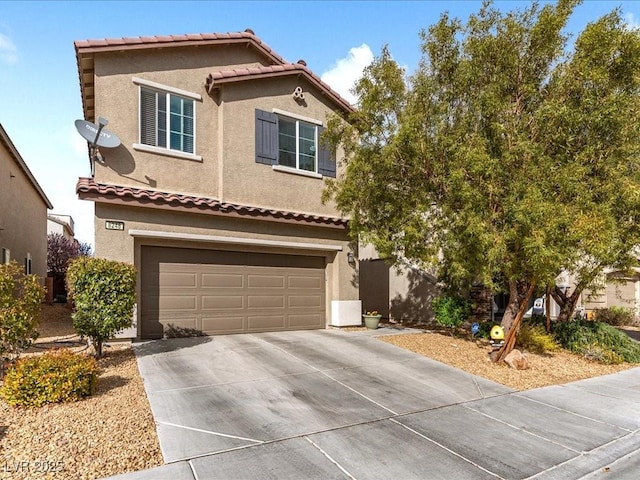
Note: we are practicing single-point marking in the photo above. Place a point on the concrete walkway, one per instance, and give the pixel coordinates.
(328, 404)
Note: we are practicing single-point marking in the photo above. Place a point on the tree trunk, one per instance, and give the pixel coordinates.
(567, 303)
(98, 346)
(519, 295)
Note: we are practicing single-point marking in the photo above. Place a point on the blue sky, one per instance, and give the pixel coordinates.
(40, 95)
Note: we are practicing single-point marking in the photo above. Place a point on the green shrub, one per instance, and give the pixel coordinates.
(535, 338)
(450, 312)
(586, 337)
(61, 376)
(20, 299)
(603, 355)
(104, 295)
(616, 316)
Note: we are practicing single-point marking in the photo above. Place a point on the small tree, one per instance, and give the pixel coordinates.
(60, 251)
(104, 295)
(20, 298)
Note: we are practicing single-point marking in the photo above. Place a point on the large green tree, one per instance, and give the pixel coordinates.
(507, 158)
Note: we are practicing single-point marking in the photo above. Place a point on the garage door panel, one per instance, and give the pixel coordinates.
(306, 321)
(266, 322)
(265, 281)
(222, 280)
(226, 302)
(305, 301)
(306, 282)
(180, 303)
(230, 292)
(264, 301)
(190, 322)
(226, 324)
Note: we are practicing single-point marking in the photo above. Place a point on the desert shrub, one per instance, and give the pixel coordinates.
(583, 337)
(535, 338)
(603, 355)
(104, 295)
(450, 312)
(54, 377)
(616, 316)
(20, 299)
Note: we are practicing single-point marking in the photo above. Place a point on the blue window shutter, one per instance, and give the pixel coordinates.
(326, 158)
(266, 137)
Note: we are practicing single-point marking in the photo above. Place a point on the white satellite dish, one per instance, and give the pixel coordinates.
(97, 136)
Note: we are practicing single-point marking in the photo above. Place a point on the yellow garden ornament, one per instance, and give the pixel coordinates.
(497, 333)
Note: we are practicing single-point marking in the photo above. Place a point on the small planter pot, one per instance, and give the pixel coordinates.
(372, 321)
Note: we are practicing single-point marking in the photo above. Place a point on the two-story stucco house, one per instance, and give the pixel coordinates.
(23, 211)
(215, 191)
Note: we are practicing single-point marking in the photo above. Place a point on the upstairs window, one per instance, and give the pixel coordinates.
(297, 144)
(292, 142)
(167, 120)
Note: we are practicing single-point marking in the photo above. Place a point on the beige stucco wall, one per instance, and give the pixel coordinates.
(23, 215)
(225, 128)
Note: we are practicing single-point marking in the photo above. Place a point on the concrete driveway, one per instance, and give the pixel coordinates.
(328, 404)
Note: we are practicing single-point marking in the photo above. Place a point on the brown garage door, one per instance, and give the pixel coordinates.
(229, 292)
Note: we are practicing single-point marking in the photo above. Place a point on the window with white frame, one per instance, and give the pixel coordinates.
(297, 142)
(293, 142)
(167, 120)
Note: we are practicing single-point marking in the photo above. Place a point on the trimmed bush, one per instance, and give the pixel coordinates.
(451, 312)
(616, 316)
(535, 338)
(20, 299)
(104, 295)
(596, 339)
(54, 377)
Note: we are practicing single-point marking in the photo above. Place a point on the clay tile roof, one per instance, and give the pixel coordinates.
(225, 76)
(86, 49)
(88, 189)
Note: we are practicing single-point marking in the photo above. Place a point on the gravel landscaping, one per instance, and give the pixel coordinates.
(113, 431)
(109, 433)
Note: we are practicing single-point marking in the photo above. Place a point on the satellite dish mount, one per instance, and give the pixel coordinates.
(97, 136)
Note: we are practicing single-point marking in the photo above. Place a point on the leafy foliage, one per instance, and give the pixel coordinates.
(104, 296)
(60, 250)
(61, 376)
(451, 312)
(597, 340)
(616, 316)
(20, 298)
(534, 338)
(506, 158)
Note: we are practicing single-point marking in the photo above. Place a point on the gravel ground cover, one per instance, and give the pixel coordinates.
(473, 356)
(109, 433)
(114, 432)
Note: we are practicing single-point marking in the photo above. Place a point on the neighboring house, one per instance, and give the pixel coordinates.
(61, 224)
(23, 211)
(215, 191)
(618, 289)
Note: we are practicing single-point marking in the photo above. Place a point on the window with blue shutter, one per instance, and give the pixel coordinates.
(292, 143)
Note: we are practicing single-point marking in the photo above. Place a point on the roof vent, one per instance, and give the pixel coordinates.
(302, 62)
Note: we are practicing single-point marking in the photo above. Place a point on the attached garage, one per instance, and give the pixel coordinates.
(221, 292)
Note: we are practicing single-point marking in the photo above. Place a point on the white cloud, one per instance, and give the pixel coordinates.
(8, 50)
(631, 21)
(346, 71)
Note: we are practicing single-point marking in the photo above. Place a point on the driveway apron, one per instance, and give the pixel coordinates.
(329, 404)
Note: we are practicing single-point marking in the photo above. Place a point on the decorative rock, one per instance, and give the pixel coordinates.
(516, 359)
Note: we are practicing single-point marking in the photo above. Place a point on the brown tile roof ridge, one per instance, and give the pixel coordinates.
(88, 187)
(174, 40)
(221, 76)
